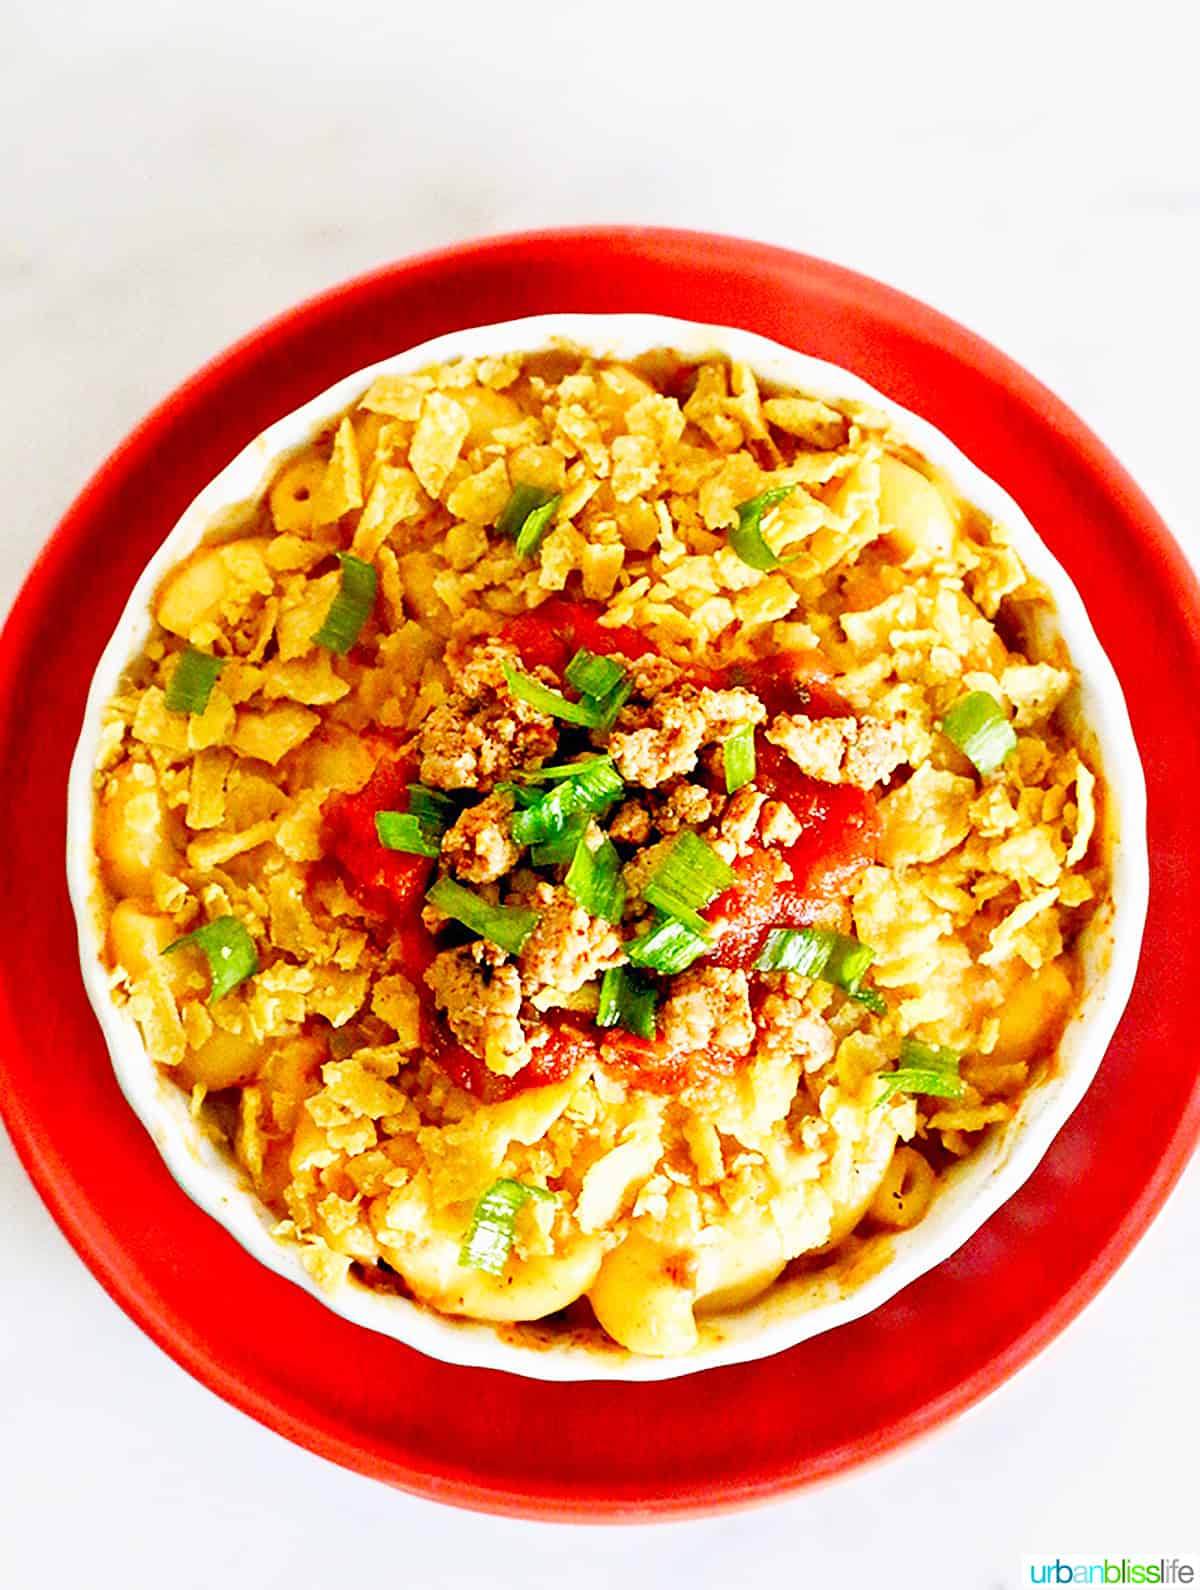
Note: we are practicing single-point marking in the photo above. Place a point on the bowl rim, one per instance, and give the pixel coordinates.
(482, 1346)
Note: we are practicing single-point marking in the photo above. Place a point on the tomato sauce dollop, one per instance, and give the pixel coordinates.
(839, 835)
(799, 681)
(551, 634)
(389, 883)
(567, 1046)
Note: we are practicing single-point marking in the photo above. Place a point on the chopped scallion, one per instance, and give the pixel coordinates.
(594, 879)
(529, 537)
(522, 505)
(351, 607)
(593, 675)
(492, 1230)
(593, 789)
(871, 998)
(668, 947)
(229, 950)
(562, 847)
(549, 775)
(689, 877)
(586, 713)
(922, 1068)
(192, 681)
(627, 1000)
(506, 925)
(817, 952)
(978, 726)
(609, 705)
(746, 537)
(405, 831)
(435, 809)
(740, 763)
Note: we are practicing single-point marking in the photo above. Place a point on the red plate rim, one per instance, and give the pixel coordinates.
(1016, 431)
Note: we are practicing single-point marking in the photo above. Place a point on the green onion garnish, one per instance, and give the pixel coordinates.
(529, 537)
(747, 539)
(817, 952)
(405, 831)
(435, 810)
(548, 775)
(922, 1068)
(594, 879)
(593, 789)
(627, 1000)
(192, 681)
(738, 752)
(525, 516)
(351, 607)
(592, 711)
(553, 703)
(668, 947)
(521, 795)
(229, 950)
(562, 847)
(492, 1231)
(689, 877)
(977, 725)
(593, 675)
(506, 925)
(609, 705)
(871, 998)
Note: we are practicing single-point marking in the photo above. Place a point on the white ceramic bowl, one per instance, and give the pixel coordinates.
(794, 1309)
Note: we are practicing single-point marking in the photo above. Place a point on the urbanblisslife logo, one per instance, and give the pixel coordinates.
(1110, 1570)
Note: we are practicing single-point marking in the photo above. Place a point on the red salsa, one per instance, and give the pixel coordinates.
(551, 634)
(389, 883)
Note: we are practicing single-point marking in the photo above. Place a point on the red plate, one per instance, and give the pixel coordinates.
(488, 1440)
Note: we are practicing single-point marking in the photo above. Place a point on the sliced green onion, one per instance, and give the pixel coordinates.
(229, 950)
(529, 537)
(593, 675)
(977, 725)
(747, 539)
(192, 681)
(520, 794)
(594, 879)
(608, 706)
(587, 713)
(740, 763)
(405, 831)
(668, 947)
(562, 848)
(550, 775)
(816, 952)
(690, 876)
(922, 1068)
(525, 516)
(871, 998)
(350, 608)
(627, 1000)
(592, 790)
(435, 809)
(492, 1231)
(506, 925)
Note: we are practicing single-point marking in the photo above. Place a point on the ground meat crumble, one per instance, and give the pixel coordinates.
(482, 734)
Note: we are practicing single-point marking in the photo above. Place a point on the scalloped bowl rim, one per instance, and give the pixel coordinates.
(782, 1317)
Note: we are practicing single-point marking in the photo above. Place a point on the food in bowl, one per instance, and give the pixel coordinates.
(595, 835)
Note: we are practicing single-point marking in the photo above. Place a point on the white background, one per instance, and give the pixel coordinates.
(169, 176)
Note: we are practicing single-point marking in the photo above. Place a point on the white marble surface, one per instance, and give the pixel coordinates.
(174, 174)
